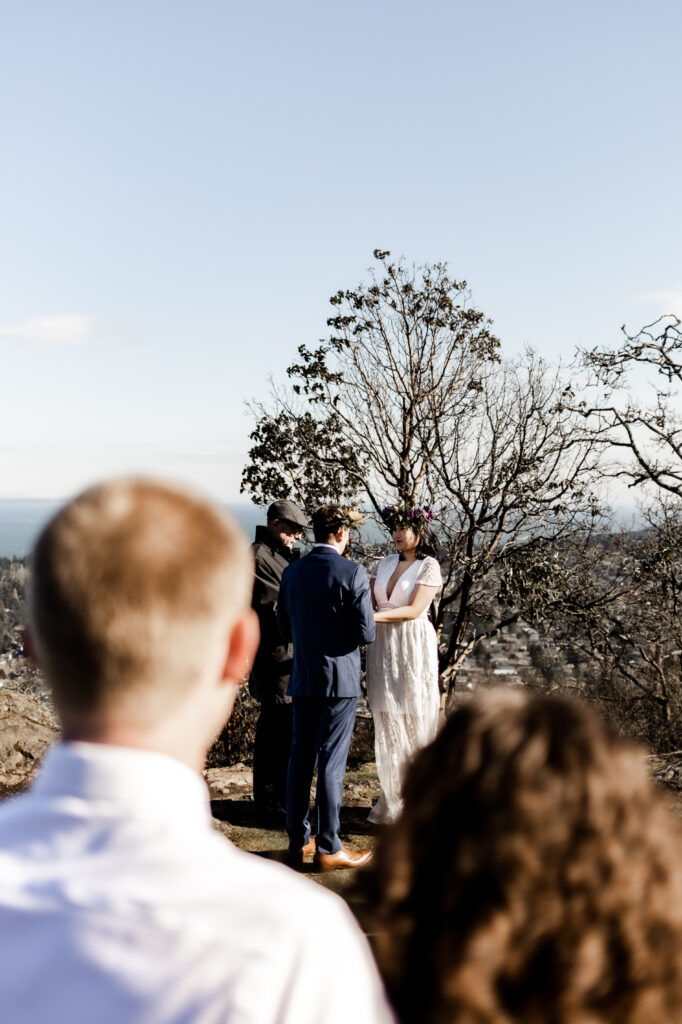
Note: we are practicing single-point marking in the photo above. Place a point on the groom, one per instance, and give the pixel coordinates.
(326, 608)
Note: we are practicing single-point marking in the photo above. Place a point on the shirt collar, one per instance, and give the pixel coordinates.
(129, 780)
(329, 547)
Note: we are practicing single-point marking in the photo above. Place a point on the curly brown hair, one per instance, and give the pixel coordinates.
(534, 875)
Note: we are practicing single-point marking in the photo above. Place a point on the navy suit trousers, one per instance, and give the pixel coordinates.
(322, 730)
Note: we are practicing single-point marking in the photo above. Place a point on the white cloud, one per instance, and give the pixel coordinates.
(669, 302)
(58, 329)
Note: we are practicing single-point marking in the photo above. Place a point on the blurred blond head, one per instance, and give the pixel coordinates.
(136, 586)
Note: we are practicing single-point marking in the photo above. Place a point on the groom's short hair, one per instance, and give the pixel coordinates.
(327, 521)
(135, 586)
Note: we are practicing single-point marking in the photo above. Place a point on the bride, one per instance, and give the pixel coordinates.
(402, 663)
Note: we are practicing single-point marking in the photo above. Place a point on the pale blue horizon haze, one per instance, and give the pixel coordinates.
(184, 185)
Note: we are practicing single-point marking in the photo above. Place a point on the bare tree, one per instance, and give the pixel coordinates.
(619, 606)
(650, 434)
(514, 477)
(409, 400)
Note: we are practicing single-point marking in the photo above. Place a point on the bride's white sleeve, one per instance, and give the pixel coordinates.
(429, 574)
(375, 570)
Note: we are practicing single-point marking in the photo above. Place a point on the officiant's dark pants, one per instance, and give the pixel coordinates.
(322, 731)
(271, 757)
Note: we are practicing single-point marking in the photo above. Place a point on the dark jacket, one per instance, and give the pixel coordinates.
(272, 666)
(326, 608)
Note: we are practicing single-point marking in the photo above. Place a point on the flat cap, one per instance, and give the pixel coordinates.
(285, 509)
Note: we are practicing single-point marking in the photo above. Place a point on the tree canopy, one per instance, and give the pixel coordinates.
(410, 400)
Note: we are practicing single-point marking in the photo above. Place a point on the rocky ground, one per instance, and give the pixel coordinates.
(27, 727)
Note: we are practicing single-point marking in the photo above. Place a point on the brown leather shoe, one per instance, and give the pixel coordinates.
(295, 858)
(343, 858)
(309, 848)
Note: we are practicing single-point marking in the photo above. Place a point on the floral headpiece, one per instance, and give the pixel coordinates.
(333, 517)
(399, 516)
(351, 518)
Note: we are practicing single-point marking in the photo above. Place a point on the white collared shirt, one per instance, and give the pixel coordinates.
(119, 904)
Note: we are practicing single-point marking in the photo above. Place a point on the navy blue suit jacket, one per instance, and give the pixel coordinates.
(325, 607)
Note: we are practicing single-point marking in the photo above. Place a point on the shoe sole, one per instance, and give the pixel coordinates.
(326, 869)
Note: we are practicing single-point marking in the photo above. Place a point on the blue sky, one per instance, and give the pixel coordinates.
(184, 184)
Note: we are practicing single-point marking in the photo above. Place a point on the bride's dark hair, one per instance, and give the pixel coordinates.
(408, 517)
(427, 545)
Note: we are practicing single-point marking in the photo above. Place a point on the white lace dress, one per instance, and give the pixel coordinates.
(402, 680)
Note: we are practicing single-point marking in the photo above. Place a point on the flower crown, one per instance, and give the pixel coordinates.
(399, 516)
(333, 517)
(351, 518)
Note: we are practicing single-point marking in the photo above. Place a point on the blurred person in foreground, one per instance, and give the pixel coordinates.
(274, 549)
(534, 876)
(118, 901)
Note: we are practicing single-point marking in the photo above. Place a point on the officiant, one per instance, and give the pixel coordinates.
(274, 549)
